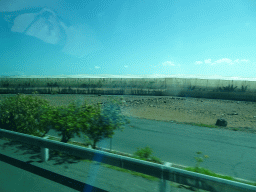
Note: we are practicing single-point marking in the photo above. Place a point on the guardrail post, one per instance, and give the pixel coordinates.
(164, 185)
(45, 152)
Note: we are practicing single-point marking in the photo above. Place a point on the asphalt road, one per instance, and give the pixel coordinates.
(230, 153)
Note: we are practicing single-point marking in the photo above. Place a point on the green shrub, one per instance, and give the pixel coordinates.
(143, 153)
(21, 114)
(156, 160)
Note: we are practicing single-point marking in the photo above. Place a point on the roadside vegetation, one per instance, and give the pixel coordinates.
(30, 115)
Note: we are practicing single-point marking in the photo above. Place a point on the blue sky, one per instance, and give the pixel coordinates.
(137, 37)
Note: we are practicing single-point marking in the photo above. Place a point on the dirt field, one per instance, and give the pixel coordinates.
(239, 114)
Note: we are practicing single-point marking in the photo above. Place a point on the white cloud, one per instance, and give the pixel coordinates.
(126, 66)
(97, 67)
(245, 60)
(224, 60)
(208, 61)
(168, 63)
(198, 62)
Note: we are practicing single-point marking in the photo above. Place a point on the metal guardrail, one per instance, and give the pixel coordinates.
(163, 172)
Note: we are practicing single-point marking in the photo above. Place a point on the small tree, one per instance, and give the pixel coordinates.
(20, 114)
(104, 121)
(68, 120)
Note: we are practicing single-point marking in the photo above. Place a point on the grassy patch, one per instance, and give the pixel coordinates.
(210, 173)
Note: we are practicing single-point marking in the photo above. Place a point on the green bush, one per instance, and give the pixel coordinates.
(156, 160)
(143, 153)
(21, 114)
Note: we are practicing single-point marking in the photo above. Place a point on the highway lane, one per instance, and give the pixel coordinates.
(230, 152)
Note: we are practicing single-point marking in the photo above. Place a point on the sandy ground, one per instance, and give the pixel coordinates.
(239, 114)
